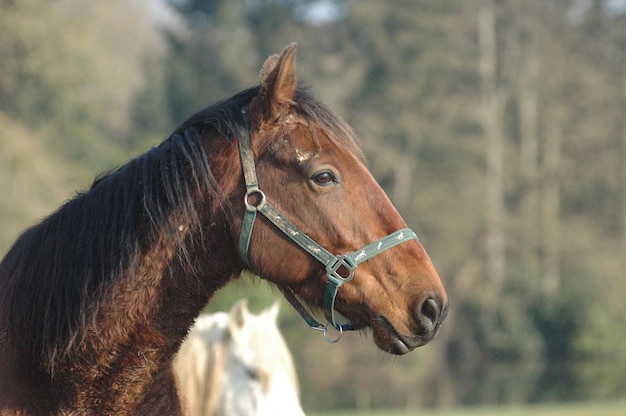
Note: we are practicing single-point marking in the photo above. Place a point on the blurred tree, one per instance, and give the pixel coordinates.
(32, 180)
(64, 84)
(492, 96)
(66, 73)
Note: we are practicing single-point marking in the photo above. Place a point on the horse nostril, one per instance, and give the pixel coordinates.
(428, 314)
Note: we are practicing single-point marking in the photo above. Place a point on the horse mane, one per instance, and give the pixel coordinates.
(55, 273)
(60, 266)
(316, 111)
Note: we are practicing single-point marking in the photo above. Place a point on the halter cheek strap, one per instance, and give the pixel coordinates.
(339, 268)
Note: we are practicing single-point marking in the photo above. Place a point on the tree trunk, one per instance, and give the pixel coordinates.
(551, 205)
(491, 114)
(624, 145)
(527, 92)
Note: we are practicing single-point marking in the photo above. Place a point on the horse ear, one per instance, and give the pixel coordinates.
(238, 314)
(278, 80)
(273, 310)
(268, 66)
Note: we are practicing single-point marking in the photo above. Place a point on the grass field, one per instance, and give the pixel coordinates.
(569, 409)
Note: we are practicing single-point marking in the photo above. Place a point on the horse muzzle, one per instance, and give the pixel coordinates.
(429, 314)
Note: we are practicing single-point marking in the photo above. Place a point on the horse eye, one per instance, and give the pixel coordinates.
(253, 373)
(324, 178)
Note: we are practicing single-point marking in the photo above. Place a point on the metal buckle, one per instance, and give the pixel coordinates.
(259, 204)
(334, 267)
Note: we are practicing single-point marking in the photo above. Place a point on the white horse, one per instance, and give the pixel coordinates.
(236, 364)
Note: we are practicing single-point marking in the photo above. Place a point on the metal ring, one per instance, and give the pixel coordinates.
(259, 205)
(319, 327)
(335, 340)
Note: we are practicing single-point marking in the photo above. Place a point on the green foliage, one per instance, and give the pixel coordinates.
(32, 181)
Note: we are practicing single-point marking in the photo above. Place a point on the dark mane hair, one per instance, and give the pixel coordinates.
(314, 110)
(60, 266)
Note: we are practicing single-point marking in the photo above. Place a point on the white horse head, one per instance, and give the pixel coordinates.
(238, 364)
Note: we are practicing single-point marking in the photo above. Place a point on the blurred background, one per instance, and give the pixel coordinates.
(497, 127)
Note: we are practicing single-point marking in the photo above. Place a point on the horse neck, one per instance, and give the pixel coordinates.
(183, 260)
(140, 304)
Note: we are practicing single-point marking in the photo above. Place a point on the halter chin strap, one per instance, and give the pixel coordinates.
(339, 268)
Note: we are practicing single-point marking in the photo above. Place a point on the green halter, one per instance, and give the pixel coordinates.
(339, 268)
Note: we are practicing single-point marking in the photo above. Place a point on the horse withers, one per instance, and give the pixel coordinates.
(96, 299)
(238, 364)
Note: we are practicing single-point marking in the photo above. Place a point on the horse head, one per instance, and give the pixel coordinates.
(309, 170)
(237, 363)
(259, 375)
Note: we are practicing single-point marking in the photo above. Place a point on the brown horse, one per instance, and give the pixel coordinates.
(96, 299)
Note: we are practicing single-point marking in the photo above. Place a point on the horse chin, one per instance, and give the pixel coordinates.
(389, 340)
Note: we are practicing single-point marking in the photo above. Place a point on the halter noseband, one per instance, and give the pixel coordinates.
(339, 268)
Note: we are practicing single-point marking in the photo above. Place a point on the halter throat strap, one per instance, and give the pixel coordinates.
(339, 268)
